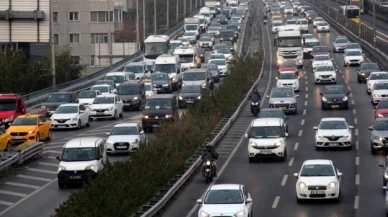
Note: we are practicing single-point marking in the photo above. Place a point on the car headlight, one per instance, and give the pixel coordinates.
(252, 144)
(280, 62)
(278, 143)
(376, 95)
(109, 142)
(203, 84)
(302, 185)
(345, 98)
(145, 116)
(74, 119)
(380, 115)
(320, 137)
(134, 141)
(110, 108)
(61, 168)
(173, 79)
(192, 65)
(347, 136)
(377, 138)
(332, 185)
(204, 214)
(168, 116)
(199, 97)
(91, 167)
(386, 175)
(239, 214)
(363, 74)
(324, 99)
(135, 98)
(180, 98)
(165, 85)
(32, 131)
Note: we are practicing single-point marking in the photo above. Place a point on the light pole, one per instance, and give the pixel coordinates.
(336, 6)
(346, 14)
(144, 21)
(137, 26)
(359, 18)
(184, 8)
(155, 25)
(177, 12)
(54, 83)
(374, 23)
(168, 14)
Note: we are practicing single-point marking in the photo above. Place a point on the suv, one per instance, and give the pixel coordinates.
(267, 138)
(283, 97)
(200, 77)
(133, 94)
(81, 158)
(12, 106)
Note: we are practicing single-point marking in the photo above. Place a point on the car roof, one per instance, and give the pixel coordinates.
(29, 115)
(101, 85)
(70, 104)
(197, 70)
(126, 125)
(318, 161)
(132, 82)
(322, 55)
(267, 122)
(225, 187)
(135, 64)
(333, 119)
(89, 141)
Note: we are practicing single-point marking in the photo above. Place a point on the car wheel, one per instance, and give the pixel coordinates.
(79, 125)
(122, 115)
(89, 122)
(49, 136)
(114, 115)
(60, 185)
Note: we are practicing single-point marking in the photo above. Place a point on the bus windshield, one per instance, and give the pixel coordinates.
(352, 13)
(155, 49)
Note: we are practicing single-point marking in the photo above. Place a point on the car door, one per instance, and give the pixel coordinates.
(83, 113)
(119, 104)
(44, 129)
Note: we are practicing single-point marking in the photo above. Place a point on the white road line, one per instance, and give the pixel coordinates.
(300, 133)
(275, 202)
(51, 157)
(358, 179)
(48, 164)
(33, 178)
(42, 171)
(351, 95)
(352, 102)
(357, 145)
(307, 95)
(306, 78)
(343, 76)
(307, 89)
(354, 111)
(356, 132)
(349, 88)
(22, 185)
(357, 161)
(305, 103)
(284, 180)
(304, 111)
(13, 193)
(306, 82)
(291, 162)
(296, 146)
(302, 122)
(5, 203)
(355, 120)
(356, 201)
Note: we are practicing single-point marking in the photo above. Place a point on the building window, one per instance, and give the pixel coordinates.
(92, 57)
(76, 60)
(99, 38)
(56, 39)
(101, 16)
(118, 16)
(73, 16)
(55, 17)
(74, 38)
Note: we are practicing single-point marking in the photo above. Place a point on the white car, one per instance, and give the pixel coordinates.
(353, 57)
(318, 179)
(333, 132)
(104, 88)
(307, 36)
(125, 137)
(379, 92)
(86, 97)
(288, 79)
(72, 115)
(148, 86)
(323, 27)
(325, 74)
(236, 19)
(226, 200)
(320, 60)
(375, 77)
(222, 66)
(317, 20)
(353, 47)
(107, 106)
(288, 10)
(275, 26)
(226, 52)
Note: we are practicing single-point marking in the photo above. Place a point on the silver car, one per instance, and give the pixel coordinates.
(379, 135)
(205, 41)
(191, 36)
(285, 98)
(214, 30)
(214, 71)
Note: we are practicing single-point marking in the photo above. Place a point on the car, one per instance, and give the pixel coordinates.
(339, 44)
(108, 82)
(288, 79)
(288, 66)
(283, 97)
(158, 109)
(133, 95)
(162, 83)
(307, 36)
(214, 71)
(125, 138)
(381, 109)
(217, 56)
(201, 77)
(211, 35)
(107, 106)
(86, 97)
(189, 95)
(323, 27)
(379, 92)
(379, 135)
(320, 50)
(318, 179)
(56, 99)
(237, 19)
(325, 74)
(222, 19)
(30, 127)
(353, 47)
(318, 20)
(321, 60)
(384, 167)
(226, 52)
(215, 23)
(334, 96)
(222, 66)
(82, 158)
(275, 26)
(214, 30)
(72, 115)
(333, 133)
(120, 77)
(364, 71)
(191, 36)
(103, 89)
(185, 42)
(353, 57)
(226, 200)
(308, 46)
(5, 143)
(288, 10)
(228, 35)
(274, 113)
(240, 13)
(229, 44)
(205, 41)
(234, 27)
(375, 77)
(267, 139)
(138, 68)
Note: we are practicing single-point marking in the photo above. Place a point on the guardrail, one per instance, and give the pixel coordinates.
(83, 83)
(348, 27)
(19, 157)
(160, 200)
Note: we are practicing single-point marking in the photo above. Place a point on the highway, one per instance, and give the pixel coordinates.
(33, 190)
(272, 184)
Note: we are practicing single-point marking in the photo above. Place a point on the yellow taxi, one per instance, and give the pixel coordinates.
(30, 127)
(5, 140)
(276, 15)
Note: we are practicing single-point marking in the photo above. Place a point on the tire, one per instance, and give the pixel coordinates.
(358, 80)
(251, 160)
(89, 122)
(61, 186)
(207, 178)
(122, 115)
(49, 136)
(79, 125)
(37, 137)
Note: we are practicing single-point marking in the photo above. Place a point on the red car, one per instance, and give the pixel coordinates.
(381, 110)
(320, 50)
(288, 67)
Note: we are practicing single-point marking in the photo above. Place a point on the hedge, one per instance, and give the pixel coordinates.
(124, 186)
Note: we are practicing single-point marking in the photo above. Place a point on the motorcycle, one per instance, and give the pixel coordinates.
(255, 108)
(265, 22)
(208, 171)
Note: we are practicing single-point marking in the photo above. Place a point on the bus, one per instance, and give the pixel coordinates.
(351, 11)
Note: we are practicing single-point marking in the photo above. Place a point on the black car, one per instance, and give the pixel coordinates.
(334, 96)
(364, 71)
(214, 71)
(133, 95)
(385, 171)
(158, 109)
(228, 35)
(274, 113)
(57, 99)
(222, 19)
(189, 95)
(162, 82)
(235, 28)
(229, 44)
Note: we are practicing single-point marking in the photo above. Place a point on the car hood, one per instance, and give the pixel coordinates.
(340, 44)
(161, 82)
(86, 101)
(317, 180)
(287, 68)
(194, 82)
(214, 72)
(123, 138)
(283, 100)
(64, 116)
(324, 73)
(208, 42)
(189, 95)
(189, 37)
(334, 96)
(354, 49)
(222, 209)
(221, 67)
(333, 132)
(6, 114)
(353, 57)
(287, 81)
(380, 91)
(320, 53)
(101, 106)
(266, 141)
(77, 165)
(12, 129)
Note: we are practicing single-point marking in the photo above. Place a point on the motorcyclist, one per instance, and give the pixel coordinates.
(265, 18)
(212, 155)
(256, 96)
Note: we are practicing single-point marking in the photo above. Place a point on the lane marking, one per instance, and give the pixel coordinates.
(355, 120)
(357, 161)
(306, 82)
(300, 133)
(22, 185)
(42, 171)
(302, 122)
(291, 162)
(304, 111)
(307, 89)
(307, 95)
(51, 157)
(305, 103)
(358, 179)
(354, 111)
(352, 102)
(305, 77)
(284, 180)
(349, 87)
(356, 132)
(357, 145)
(5, 203)
(33, 178)
(296, 146)
(48, 164)
(13, 193)
(275, 202)
(351, 95)
(356, 201)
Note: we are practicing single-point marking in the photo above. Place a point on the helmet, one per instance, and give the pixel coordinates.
(255, 91)
(209, 147)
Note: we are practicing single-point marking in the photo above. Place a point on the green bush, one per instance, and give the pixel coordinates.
(124, 186)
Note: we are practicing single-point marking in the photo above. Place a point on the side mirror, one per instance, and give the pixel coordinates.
(347, 93)
(40, 123)
(315, 128)
(351, 127)
(286, 134)
(267, 96)
(336, 70)
(385, 188)
(199, 201)
(296, 96)
(339, 174)
(370, 128)
(321, 94)
(142, 132)
(100, 157)
(58, 158)
(246, 135)
(82, 111)
(249, 200)
(296, 175)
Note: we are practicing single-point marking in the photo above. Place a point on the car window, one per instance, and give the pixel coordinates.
(2, 131)
(42, 119)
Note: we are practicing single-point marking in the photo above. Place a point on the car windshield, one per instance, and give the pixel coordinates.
(134, 69)
(381, 86)
(209, 66)
(191, 89)
(282, 93)
(110, 82)
(194, 76)
(378, 76)
(334, 90)
(291, 22)
(289, 42)
(87, 95)
(7, 104)
(303, 22)
(369, 66)
(223, 51)
(23, 121)
(165, 68)
(319, 19)
(218, 62)
(147, 86)
(227, 34)
(128, 90)
(218, 46)
(79, 154)
(121, 131)
(285, 76)
(227, 43)
(307, 36)
(224, 197)
(323, 24)
(213, 29)
(381, 124)
(156, 104)
(159, 77)
(320, 49)
(353, 46)
(317, 170)
(267, 132)
(271, 114)
(325, 68)
(333, 125)
(205, 38)
(217, 56)
(116, 78)
(232, 27)
(189, 34)
(236, 18)
(104, 100)
(341, 41)
(66, 110)
(288, 7)
(191, 27)
(102, 89)
(353, 53)
(277, 24)
(186, 58)
(58, 98)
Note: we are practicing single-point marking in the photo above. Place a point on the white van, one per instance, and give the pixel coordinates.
(171, 65)
(81, 158)
(119, 77)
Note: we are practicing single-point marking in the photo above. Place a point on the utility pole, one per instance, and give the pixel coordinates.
(155, 25)
(196, 4)
(110, 36)
(168, 14)
(144, 22)
(184, 8)
(177, 12)
(137, 26)
(191, 6)
(336, 6)
(54, 83)
(374, 23)
(346, 15)
(359, 18)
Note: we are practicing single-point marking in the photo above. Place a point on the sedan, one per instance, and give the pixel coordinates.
(205, 41)
(237, 19)
(229, 44)
(226, 200)
(226, 52)
(317, 20)
(353, 47)
(274, 113)
(375, 77)
(125, 137)
(285, 98)
(320, 60)
(381, 109)
(379, 135)
(333, 132)
(219, 46)
(317, 180)
(222, 66)
(339, 44)
(72, 115)
(189, 95)
(228, 35)
(214, 30)
(334, 96)
(364, 71)
(288, 79)
(353, 57)
(320, 50)
(379, 92)
(323, 27)
(222, 19)
(325, 74)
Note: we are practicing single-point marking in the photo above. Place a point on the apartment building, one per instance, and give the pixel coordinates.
(84, 24)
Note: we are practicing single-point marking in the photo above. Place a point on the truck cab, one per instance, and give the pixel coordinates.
(289, 47)
(11, 107)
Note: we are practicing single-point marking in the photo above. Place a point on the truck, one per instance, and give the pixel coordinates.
(154, 46)
(289, 47)
(193, 24)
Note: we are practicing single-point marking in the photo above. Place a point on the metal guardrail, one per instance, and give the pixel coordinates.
(18, 158)
(37, 97)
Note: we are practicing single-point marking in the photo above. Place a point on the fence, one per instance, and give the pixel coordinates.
(19, 157)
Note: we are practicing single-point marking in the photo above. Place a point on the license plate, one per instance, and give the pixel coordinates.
(122, 147)
(156, 117)
(333, 144)
(75, 177)
(189, 101)
(335, 106)
(18, 137)
(317, 192)
(100, 113)
(61, 126)
(265, 152)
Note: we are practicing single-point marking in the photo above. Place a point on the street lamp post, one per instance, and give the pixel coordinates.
(374, 23)
(155, 25)
(359, 18)
(53, 71)
(336, 6)
(144, 21)
(137, 26)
